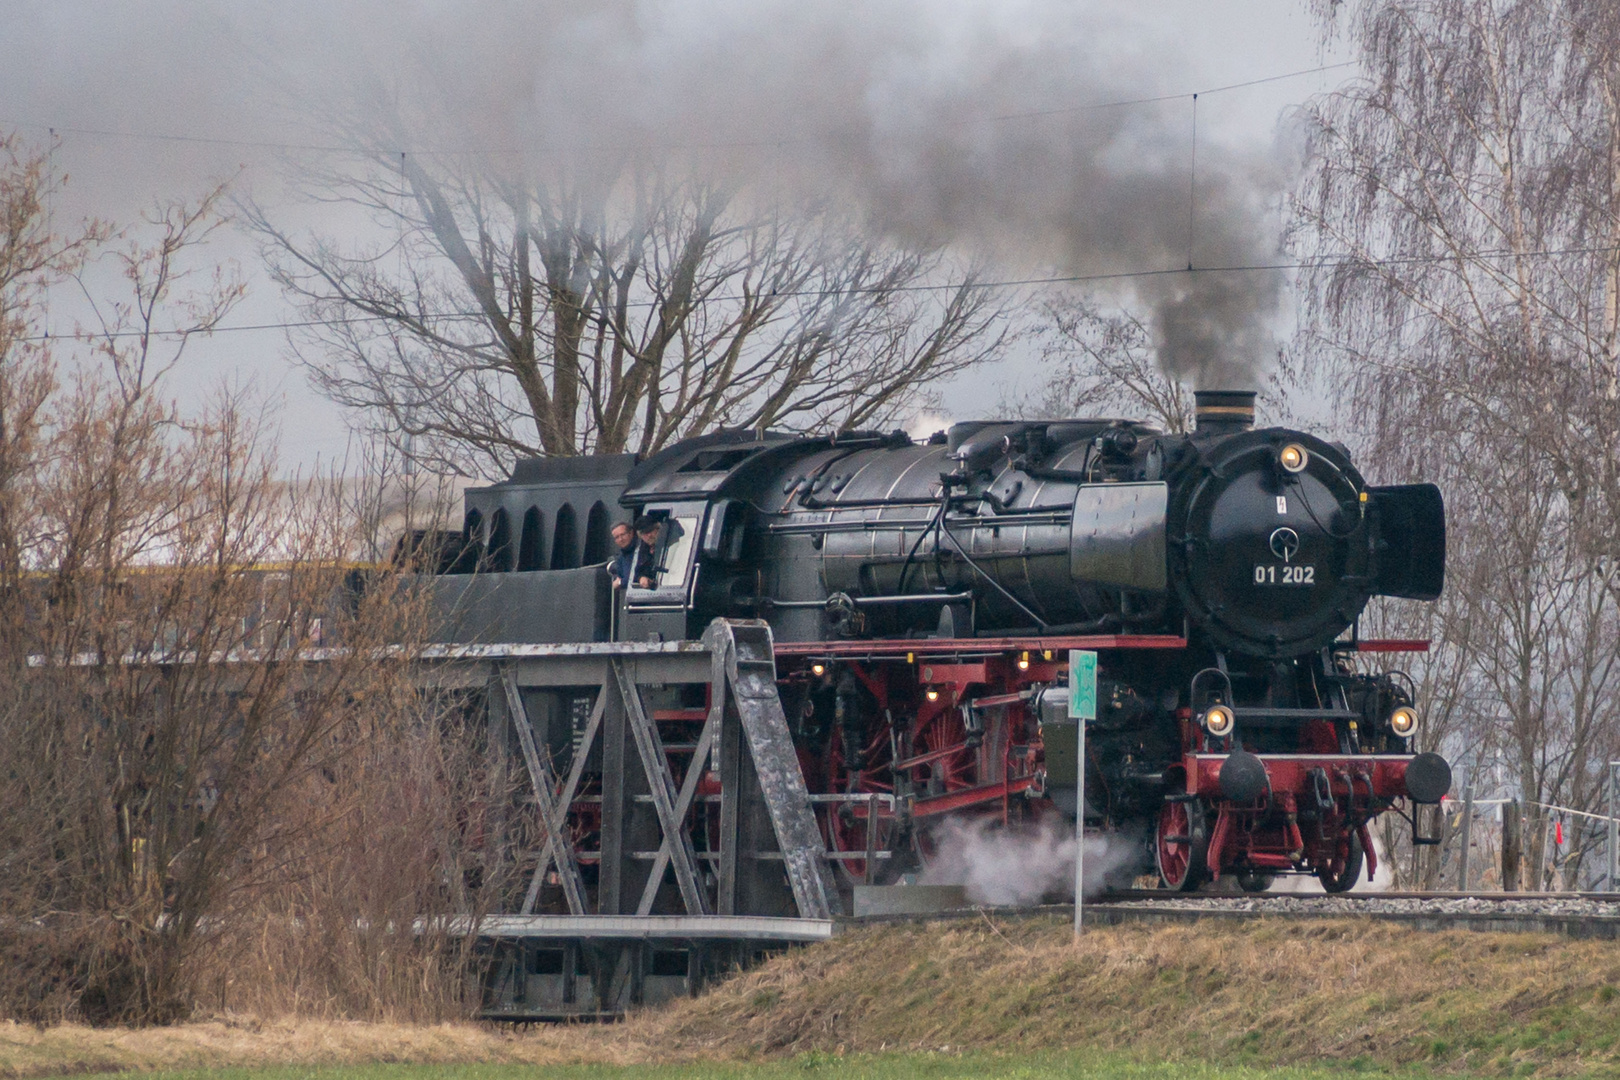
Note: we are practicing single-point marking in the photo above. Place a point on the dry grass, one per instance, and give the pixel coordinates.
(1268, 993)
(27, 1051)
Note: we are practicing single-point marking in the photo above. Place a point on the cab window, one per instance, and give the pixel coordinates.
(679, 541)
(672, 556)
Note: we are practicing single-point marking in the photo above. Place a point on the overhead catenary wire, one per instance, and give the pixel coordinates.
(1161, 98)
(1000, 283)
(289, 145)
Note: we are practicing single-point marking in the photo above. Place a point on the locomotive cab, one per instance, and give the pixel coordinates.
(662, 608)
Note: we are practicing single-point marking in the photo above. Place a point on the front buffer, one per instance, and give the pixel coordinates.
(1254, 815)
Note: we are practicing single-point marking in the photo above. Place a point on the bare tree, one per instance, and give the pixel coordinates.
(1103, 360)
(1462, 211)
(1104, 363)
(501, 315)
(1544, 671)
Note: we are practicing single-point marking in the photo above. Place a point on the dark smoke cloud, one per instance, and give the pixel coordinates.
(888, 107)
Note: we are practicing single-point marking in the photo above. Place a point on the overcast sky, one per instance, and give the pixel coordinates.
(113, 76)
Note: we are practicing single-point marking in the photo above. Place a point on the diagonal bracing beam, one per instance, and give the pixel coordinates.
(683, 802)
(661, 786)
(553, 809)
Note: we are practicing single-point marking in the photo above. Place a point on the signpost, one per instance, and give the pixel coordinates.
(1614, 832)
(1467, 827)
(1082, 707)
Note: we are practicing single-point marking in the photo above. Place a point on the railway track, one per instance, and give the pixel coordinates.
(1611, 900)
(1572, 914)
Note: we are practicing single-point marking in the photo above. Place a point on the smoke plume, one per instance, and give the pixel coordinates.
(989, 127)
(1002, 867)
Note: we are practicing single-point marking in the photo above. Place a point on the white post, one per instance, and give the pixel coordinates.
(1467, 826)
(1082, 707)
(1079, 823)
(1613, 884)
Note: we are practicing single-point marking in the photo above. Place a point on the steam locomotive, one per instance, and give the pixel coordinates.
(924, 598)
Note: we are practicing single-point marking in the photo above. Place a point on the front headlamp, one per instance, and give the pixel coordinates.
(1292, 458)
(1403, 721)
(1219, 721)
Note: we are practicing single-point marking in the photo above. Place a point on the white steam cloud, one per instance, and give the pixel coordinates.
(1019, 867)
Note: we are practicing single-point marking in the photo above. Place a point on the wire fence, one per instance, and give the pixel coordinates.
(1468, 808)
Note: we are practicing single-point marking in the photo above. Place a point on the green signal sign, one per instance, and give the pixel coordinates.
(1082, 684)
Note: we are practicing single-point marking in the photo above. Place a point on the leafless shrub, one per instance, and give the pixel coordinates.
(182, 779)
(391, 841)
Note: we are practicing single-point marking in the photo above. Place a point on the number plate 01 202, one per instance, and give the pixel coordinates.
(1285, 575)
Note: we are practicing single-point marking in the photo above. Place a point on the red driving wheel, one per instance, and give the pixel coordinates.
(1180, 843)
(847, 822)
(941, 732)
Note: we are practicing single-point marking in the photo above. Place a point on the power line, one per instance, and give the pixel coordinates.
(334, 148)
(1157, 99)
(1004, 283)
(151, 136)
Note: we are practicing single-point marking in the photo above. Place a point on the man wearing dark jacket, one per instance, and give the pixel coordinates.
(624, 538)
(648, 531)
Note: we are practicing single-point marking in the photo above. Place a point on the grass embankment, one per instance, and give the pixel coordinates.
(1272, 992)
(913, 1066)
(1349, 994)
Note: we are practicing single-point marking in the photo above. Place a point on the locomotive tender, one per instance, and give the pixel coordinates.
(923, 597)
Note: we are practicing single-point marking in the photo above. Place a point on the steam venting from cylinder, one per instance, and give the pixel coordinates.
(1222, 412)
(1021, 866)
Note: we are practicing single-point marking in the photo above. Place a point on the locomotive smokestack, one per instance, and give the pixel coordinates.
(1223, 411)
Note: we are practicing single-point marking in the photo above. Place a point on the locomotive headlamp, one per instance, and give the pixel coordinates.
(931, 694)
(1292, 458)
(818, 668)
(1403, 721)
(1023, 661)
(1219, 721)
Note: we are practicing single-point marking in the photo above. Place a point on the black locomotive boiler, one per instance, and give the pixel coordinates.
(924, 597)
